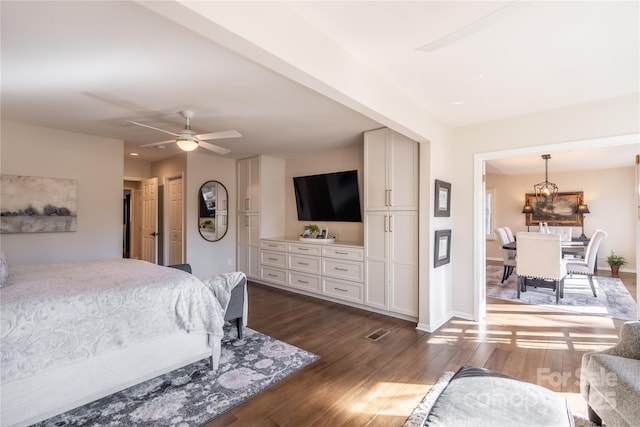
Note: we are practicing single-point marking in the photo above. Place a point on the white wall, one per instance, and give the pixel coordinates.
(609, 193)
(600, 119)
(209, 258)
(331, 161)
(96, 164)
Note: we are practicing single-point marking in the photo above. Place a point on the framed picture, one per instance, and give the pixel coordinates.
(442, 198)
(442, 248)
(561, 212)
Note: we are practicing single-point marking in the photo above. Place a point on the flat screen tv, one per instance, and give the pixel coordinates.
(328, 197)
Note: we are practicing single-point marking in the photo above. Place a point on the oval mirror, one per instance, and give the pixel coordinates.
(213, 204)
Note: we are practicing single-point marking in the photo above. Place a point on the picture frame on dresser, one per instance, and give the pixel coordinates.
(442, 199)
(442, 248)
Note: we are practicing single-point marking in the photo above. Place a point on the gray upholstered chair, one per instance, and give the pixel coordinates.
(610, 380)
(588, 264)
(539, 262)
(508, 256)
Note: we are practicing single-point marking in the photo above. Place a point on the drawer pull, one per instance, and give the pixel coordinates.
(340, 289)
(303, 249)
(340, 269)
(272, 246)
(272, 259)
(303, 263)
(303, 281)
(272, 275)
(341, 253)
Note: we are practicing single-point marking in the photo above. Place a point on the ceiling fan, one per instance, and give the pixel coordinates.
(187, 139)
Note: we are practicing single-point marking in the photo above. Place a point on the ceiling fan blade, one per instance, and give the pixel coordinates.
(153, 144)
(154, 128)
(216, 149)
(219, 135)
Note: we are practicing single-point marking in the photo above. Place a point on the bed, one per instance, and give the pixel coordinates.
(74, 332)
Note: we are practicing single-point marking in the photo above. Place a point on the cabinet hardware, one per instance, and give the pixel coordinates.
(341, 253)
(272, 259)
(390, 199)
(246, 204)
(303, 249)
(272, 246)
(341, 290)
(303, 281)
(340, 269)
(272, 275)
(303, 263)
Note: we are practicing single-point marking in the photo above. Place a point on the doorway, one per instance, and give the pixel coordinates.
(479, 204)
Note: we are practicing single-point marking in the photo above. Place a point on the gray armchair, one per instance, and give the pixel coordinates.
(610, 380)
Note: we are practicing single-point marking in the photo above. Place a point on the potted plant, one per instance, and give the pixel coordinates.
(311, 230)
(615, 261)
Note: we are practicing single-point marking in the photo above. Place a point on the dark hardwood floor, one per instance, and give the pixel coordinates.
(358, 382)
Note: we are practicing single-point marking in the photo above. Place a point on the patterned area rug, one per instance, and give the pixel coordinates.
(420, 413)
(613, 299)
(193, 395)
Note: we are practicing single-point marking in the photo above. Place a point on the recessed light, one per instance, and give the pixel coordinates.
(134, 154)
(458, 102)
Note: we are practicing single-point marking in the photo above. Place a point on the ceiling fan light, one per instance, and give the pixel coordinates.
(186, 144)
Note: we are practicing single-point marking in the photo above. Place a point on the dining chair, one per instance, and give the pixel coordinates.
(509, 233)
(508, 256)
(587, 265)
(539, 262)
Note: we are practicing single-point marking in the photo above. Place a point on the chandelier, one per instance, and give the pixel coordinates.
(546, 191)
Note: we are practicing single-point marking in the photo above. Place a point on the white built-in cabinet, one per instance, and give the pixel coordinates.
(391, 222)
(390, 171)
(261, 200)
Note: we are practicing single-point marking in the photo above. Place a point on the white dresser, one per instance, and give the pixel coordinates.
(334, 270)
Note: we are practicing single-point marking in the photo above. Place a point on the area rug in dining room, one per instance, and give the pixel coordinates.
(613, 299)
(192, 395)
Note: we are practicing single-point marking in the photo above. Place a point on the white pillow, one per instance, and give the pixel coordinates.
(4, 270)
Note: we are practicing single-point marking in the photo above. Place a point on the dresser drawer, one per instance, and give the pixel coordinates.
(302, 249)
(348, 270)
(343, 290)
(275, 259)
(273, 275)
(304, 281)
(306, 264)
(273, 245)
(339, 252)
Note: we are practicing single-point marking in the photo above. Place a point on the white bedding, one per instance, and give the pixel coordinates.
(53, 315)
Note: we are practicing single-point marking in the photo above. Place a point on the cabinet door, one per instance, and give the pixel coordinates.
(403, 262)
(375, 259)
(249, 244)
(249, 185)
(402, 173)
(375, 167)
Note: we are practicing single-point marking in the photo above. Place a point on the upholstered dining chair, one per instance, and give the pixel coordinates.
(539, 262)
(509, 233)
(508, 256)
(588, 264)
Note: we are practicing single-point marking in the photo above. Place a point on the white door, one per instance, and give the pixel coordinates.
(376, 234)
(176, 242)
(403, 262)
(376, 191)
(150, 220)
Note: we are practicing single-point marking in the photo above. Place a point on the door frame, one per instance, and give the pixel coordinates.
(479, 241)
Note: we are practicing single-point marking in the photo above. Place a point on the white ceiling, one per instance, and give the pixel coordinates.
(90, 66)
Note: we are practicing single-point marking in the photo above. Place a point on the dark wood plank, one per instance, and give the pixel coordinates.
(359, 382)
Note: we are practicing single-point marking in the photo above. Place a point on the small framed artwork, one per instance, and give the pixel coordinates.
(442, 248)
(442, 198)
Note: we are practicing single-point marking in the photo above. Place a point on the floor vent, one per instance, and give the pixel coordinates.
(377, 334)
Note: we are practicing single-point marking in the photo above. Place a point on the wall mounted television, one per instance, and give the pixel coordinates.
(328, 197)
